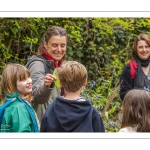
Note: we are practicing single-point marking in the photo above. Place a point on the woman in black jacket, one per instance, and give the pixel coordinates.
(136, 73)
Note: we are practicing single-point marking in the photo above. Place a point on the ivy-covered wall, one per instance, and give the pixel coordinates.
(102, 44)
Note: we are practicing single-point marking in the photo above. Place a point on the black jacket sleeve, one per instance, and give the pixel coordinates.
(126, 83)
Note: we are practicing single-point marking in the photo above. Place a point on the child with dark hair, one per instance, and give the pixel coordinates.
(71, 113)
(136, 111)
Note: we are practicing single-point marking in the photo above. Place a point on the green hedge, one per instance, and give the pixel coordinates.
(103, 45)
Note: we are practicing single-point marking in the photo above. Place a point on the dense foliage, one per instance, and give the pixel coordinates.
(103, 45)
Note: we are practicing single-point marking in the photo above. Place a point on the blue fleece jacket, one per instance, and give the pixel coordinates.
(71, 116)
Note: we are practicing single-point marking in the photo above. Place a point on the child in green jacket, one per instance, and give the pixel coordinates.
(16, 113)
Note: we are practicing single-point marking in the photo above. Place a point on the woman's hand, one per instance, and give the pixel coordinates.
(48, 79)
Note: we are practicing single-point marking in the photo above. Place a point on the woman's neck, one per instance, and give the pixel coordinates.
(144, 63)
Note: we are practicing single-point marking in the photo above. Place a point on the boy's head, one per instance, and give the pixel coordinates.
(72, 75)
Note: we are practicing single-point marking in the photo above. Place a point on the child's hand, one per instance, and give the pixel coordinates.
(48, 79)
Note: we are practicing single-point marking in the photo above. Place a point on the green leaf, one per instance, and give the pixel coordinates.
(112, 110)
(57, 83)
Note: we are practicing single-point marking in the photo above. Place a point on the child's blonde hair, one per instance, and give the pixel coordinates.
(72, 75)
(11, 73)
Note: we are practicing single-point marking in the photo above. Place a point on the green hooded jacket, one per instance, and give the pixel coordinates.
(16, 118)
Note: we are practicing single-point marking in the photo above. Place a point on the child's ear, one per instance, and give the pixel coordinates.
(84, 84)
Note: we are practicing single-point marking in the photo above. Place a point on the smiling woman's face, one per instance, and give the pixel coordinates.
(143, 49)
(56, 47)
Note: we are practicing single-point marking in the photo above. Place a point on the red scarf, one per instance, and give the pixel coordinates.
(48, 57)
(56, 65)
